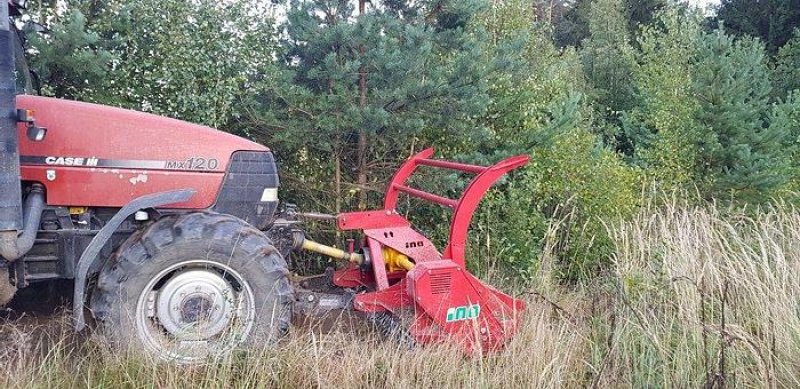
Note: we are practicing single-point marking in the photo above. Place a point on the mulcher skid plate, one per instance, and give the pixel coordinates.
(448, 303)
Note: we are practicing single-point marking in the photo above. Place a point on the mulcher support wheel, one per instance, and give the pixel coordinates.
(194, 287)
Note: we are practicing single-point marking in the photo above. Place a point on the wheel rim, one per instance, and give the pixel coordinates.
(193, 310)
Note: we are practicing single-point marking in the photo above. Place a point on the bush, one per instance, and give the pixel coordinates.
(557, 205)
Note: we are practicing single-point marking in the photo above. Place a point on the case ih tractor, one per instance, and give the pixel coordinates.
(167, 230)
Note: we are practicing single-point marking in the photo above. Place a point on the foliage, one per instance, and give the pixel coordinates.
(786, 75)
(771, 20)
(624, 287)
(422, 81)
(706, 123)
(787, 115)
(608, 60)
(580, 185)
(537, 75)
(573, 28)
(190, 60)
(604, 95)
(70, 61)
(662, 128)
(740, 148)
(572, 181)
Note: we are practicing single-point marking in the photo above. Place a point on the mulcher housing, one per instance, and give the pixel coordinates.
(447, 301)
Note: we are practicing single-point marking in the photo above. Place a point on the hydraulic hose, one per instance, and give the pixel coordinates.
(13, 246)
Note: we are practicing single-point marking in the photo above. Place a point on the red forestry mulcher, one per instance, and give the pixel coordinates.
(173, 235)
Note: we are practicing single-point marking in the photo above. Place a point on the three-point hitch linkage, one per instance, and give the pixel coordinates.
(401, 272)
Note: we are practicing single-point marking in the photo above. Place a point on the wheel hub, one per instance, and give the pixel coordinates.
(196, 304)
(196, 308)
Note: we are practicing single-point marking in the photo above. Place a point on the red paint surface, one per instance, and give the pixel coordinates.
(464, 207)
(78, 129)
(499, 313)
(438, 282)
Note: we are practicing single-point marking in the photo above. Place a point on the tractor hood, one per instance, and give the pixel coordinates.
(105, 156)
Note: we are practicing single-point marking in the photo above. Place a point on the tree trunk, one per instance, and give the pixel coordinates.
(337, 179)
(362, 134)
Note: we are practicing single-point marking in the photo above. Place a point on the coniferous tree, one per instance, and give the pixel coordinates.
(70, 60)
(366, 81)
(572, 25)
(740, 148)
(786, 74)
(770, 20)
(608, 60)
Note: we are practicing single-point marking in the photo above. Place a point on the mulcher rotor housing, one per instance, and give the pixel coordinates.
(402, 270)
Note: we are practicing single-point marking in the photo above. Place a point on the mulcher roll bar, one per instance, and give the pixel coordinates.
(465, 206)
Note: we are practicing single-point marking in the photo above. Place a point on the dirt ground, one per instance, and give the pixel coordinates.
(38, 316)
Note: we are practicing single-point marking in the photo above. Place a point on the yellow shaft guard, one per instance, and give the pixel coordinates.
(332, 252)
(395, 261)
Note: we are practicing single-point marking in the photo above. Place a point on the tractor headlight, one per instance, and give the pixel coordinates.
(36, 133)
(269, 194)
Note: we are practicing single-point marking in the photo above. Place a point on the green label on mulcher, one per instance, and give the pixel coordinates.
(463, 313)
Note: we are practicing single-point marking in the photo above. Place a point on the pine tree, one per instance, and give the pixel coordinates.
(787, 67)
(572, 25)
(70, 60)
(770, 20)
(740, 148)
(608, 60)
(365, 82)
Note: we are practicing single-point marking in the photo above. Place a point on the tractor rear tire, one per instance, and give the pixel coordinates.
(194, 287)
(7, 290)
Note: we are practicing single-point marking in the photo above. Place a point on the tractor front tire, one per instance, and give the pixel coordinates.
(194, 287)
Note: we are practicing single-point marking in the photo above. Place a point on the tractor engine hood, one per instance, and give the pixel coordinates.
(95, 155)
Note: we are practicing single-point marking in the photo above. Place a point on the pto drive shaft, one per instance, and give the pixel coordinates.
(300, 242)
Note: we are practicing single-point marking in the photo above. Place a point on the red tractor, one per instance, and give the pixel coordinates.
(167, 230)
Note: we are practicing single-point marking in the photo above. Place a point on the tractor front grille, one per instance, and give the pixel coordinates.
(248, 174)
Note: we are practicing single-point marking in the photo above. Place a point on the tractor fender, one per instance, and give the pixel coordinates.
(90, 255)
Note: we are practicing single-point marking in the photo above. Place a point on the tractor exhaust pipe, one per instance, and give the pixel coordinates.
(10, 189)
(13, 246)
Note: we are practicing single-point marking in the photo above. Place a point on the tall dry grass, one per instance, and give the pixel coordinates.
(548, 353)
(706, 298)
(693, 298)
